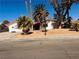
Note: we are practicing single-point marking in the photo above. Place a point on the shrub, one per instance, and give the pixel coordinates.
(24, 23)
(75, 26)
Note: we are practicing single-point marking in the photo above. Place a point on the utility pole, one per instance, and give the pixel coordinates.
(30, 8)
(26, 6)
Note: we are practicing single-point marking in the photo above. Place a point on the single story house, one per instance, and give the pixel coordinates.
(13, 27)
(50, 25)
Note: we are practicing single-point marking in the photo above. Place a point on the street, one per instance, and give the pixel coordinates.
(39, 49)
(48, 49)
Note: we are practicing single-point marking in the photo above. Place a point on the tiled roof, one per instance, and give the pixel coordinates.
(11, 23)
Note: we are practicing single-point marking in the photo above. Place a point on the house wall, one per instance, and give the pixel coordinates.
(14, 28)
(50, 25)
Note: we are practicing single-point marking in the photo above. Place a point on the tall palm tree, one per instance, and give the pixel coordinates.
(40, 15)
(39, 11)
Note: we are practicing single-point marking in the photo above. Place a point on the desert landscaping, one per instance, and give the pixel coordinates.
(51, 33)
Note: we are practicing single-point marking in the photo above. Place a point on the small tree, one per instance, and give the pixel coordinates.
(24, 23)
(5, 22)
(3, 27)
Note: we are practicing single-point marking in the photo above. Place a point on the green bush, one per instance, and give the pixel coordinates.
(24, 23)
(78, 26)
(75, 26)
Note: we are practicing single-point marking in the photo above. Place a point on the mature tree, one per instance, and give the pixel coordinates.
(62, 8)
(3, 26)
(5, 22)
(24, 23)
(55, 16)
(78, 19)
(0, 27)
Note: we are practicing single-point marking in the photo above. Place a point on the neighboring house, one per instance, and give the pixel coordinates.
(50, 25)
(13, 27)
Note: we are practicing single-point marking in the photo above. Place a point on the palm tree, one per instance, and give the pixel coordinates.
(39, 15)
(24, 23)
(39, 11)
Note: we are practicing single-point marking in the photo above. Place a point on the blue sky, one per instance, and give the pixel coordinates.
(12, 9)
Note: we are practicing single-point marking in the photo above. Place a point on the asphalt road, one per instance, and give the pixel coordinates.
(40, 49)
(52, 48)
